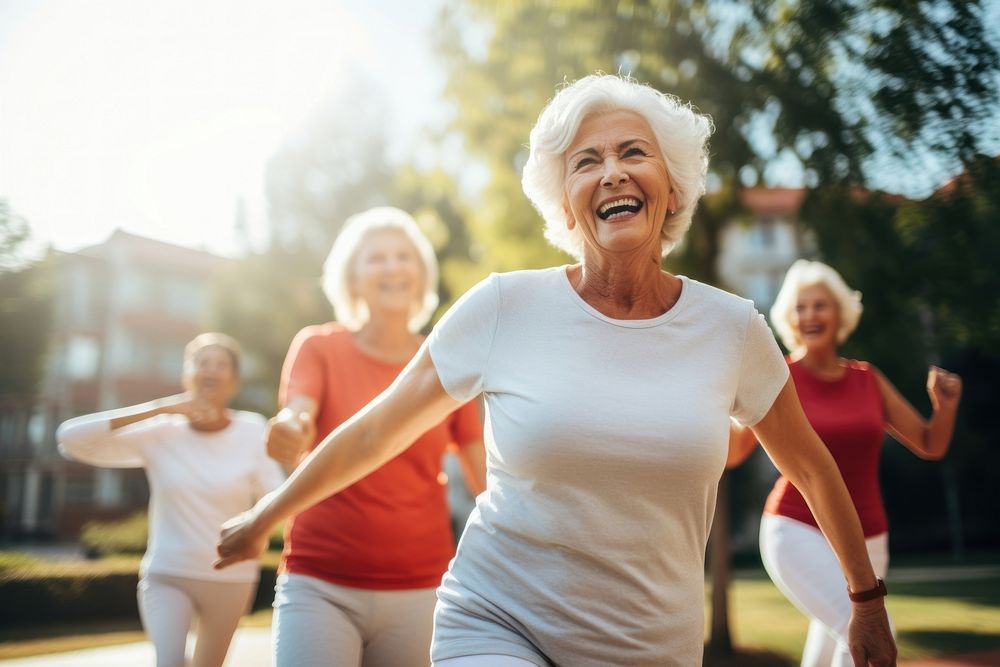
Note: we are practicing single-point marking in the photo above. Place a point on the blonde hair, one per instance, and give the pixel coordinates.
(681, 134)
(338, 269)
(212, 339)
(804, 273)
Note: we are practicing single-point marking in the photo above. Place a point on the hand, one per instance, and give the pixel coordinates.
(241, 538)
(944, 388)
(869, 636)
(197, 410)
(289, 436)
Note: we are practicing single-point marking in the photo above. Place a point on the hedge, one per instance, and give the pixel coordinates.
(38, 593)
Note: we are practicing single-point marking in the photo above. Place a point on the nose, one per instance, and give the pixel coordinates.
(614, 175)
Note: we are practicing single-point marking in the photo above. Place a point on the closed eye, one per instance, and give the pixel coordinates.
(634, 152)
(583, 162)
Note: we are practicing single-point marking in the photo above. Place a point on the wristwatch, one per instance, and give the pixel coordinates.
(879, 591)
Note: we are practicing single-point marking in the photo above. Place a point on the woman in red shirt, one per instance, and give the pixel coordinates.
(850, 405)
(359, 569)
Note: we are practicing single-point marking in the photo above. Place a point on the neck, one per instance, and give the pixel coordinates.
(216, 425)
(820, 359)
(626, 288)
(387, 334)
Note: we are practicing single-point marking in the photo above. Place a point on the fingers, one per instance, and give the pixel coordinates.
(222, 563)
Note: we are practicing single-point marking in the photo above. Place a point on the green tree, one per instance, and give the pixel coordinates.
(842, 86)
(932, 295)
(25, 314)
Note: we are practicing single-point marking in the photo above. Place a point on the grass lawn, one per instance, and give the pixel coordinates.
(932, 619)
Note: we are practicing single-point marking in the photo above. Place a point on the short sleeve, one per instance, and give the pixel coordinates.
(302, 372)
(763, 372)
(466, 425)
(461, 342)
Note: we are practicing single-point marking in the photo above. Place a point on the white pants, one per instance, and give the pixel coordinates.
(169, 605)
(317, 623)
(803, 566)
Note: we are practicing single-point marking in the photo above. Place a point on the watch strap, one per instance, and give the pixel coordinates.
(879, 591)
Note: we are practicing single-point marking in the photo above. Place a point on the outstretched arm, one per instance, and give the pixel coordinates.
(803, 458)
(99, 439)
(927, 439)
(414, 403)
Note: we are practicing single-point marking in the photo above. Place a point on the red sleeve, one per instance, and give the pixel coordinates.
(466, 425)
(303, 370)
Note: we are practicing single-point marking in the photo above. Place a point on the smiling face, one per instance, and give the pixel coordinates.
(816, 318)
(387, 273)
(211, 375)
(617, 187)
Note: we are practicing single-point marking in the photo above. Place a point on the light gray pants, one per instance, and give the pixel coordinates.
(804, 567)
(319, 624)
(169, 605)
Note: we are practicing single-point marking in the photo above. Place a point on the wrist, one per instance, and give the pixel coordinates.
(264, 515)
(874, 594)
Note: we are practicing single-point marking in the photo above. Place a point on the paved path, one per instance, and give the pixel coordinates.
(251, 648)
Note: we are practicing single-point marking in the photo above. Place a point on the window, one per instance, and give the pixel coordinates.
(83, 355)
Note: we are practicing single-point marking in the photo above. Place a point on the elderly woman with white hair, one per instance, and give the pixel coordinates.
(851, 405)
(609, 385)
(360, 567)
(203, 462)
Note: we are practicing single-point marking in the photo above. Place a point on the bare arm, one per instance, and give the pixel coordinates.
(742, 442)
(803, 458)
(414, 403)
(472, 458)
(927, 439)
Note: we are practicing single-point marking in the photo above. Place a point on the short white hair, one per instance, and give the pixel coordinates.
(802, 274)
(681, 134)
(338, 270)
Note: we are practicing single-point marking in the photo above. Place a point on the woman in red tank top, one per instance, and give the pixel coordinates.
(850, 405)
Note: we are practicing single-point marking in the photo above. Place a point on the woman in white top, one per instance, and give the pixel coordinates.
(204, 463)
(609, 387)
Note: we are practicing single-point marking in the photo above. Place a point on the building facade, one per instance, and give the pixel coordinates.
(122, 313)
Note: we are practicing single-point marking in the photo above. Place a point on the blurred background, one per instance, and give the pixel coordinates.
(170, 168)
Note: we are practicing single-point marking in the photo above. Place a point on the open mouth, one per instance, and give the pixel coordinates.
(619, 208)
(813, 330)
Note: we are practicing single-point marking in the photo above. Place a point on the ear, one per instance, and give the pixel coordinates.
(568, 212)
(672, 201)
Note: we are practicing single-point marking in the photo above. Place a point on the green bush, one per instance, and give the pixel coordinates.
(125, 536)
(38, 592)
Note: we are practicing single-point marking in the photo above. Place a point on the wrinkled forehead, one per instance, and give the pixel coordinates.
(603, 129)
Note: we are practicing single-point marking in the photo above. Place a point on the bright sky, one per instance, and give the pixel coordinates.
(157, 116)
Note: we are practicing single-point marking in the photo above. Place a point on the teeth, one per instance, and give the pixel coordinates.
(624, 201)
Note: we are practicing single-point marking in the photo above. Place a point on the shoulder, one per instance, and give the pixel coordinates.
(248, 419)
(320, 332)
(321, 337)
(719, 302)
(529, 278)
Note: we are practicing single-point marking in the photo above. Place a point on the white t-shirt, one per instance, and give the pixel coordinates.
(605, 442)
(197, 480)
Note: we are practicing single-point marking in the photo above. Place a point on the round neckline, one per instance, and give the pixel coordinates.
(212, 434)
(664, 317)
(819, 378)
